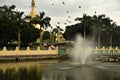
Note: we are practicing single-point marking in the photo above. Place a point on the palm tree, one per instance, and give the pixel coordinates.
(55, 31)
(27, 18)
(43, 21)
(113, 25)
(8, 17)
(98, 26)
(116, 36)
(8, 9)
(110, 29)
(85, 22)
(19, 22)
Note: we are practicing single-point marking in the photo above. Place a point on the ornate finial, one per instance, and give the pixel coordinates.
(33, 3)
(33, 12)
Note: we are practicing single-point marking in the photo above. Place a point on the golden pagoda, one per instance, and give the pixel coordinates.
(33, 12)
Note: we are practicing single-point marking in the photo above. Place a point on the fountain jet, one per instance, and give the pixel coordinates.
(82, 50)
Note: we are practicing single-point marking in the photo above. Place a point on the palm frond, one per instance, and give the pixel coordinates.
(42, 14)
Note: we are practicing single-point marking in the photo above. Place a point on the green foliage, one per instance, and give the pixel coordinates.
(11, 22)
(102, 28)
(49, 41)
(43, 21)
(29, 34)
(46, 35)
(72, 31)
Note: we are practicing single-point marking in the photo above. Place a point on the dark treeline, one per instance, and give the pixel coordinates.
(105, 31)
(14, 27)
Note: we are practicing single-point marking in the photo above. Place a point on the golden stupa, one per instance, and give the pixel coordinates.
(33, 12)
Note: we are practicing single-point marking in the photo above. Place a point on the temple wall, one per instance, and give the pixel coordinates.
(6, 52)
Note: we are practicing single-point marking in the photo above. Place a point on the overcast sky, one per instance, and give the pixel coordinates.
(66, 13)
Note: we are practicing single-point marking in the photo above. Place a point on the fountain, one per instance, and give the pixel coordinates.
(81, 51)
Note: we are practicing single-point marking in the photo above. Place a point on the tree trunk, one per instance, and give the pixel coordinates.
(99, 40)
(41, 35)
(84, 43)
(99, 35)
(53, 37)
(18, 38)
(111, 40)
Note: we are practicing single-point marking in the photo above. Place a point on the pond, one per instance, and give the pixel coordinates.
(59, 70)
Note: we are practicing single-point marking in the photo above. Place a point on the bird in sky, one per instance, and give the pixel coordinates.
(52, 4)
(68, 16)
(58, 22)
(65, 23)
(63, 3)
(95, 12)
(79, 6)
(67, 11)
(69, 21)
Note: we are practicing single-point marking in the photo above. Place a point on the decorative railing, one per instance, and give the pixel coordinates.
(107, 51)
(38, 51)
(103, 50)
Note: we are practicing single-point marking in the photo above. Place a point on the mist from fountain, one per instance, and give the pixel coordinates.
(81, 51)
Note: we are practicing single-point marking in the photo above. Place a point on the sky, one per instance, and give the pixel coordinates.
(64, 12)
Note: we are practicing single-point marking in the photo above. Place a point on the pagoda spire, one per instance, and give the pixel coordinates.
(33, 12)
(33, 3)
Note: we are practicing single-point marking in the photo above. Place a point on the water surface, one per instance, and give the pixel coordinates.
(59, 70)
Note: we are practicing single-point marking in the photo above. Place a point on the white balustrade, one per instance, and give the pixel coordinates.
(6, 52)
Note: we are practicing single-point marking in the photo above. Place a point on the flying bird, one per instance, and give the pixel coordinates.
(69, 21)
(67, 11)
(68, 16)
(58, 22)
(65, 23)
(95, 12)
(79, 6)
(63, 3)
(52, 4)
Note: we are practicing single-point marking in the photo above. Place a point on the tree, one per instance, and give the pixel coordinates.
(43, 21)
(116, 36)
(6, 26)
(29, 34)
(19, 23)
(101, 27)
(110, 29)
(55, 31)
(98, 26)
(46, 35)
(14, 27)
(85, 23)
